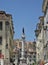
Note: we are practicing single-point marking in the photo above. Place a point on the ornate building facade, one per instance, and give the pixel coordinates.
(45, 11)
(42, 35)
(6, 36)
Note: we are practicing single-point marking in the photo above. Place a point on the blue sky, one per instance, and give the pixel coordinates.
(25, 14)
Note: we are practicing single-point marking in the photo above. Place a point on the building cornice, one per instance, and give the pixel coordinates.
(8, 15)
(41, 17)
(44, 5)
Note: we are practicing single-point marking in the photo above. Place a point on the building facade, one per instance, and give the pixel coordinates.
(45, 11)
(6, 36)
(39, 39)
(41, 33)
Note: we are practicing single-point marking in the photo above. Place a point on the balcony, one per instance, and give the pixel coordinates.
(38, 29)
(37, 32)
(39, 26)
(45, 27)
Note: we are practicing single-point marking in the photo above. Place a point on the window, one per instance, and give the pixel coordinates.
(30, 56)
(34, 56)
(45, 27)
(13, 55)
(30, 60)
(6, 45)
(0, 25)
(0, 40)
(0, 51)
(47, 22)
(24, 61)
(7, 25)
(20, 49)
(20, 44)
(44, 56)
(30, 45)
(20, 55)
(30, 64)
(13, 64)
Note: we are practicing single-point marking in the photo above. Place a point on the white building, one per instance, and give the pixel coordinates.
(6, 36)
(45, 11)
(39, 40)
(42, 35)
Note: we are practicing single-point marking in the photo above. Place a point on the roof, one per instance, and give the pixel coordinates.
(3, 12)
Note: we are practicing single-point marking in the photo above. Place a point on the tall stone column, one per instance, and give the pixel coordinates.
(23, 41)
(22, 59)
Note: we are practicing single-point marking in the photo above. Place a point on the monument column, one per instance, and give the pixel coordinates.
(22, 59)
(23, 41)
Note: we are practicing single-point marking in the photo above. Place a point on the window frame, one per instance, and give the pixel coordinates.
(0, 40)
(0, 51)
(1, 25)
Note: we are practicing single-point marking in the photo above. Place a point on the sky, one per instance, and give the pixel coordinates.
(25, 13)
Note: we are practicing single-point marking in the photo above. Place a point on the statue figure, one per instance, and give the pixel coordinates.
(23, 30)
